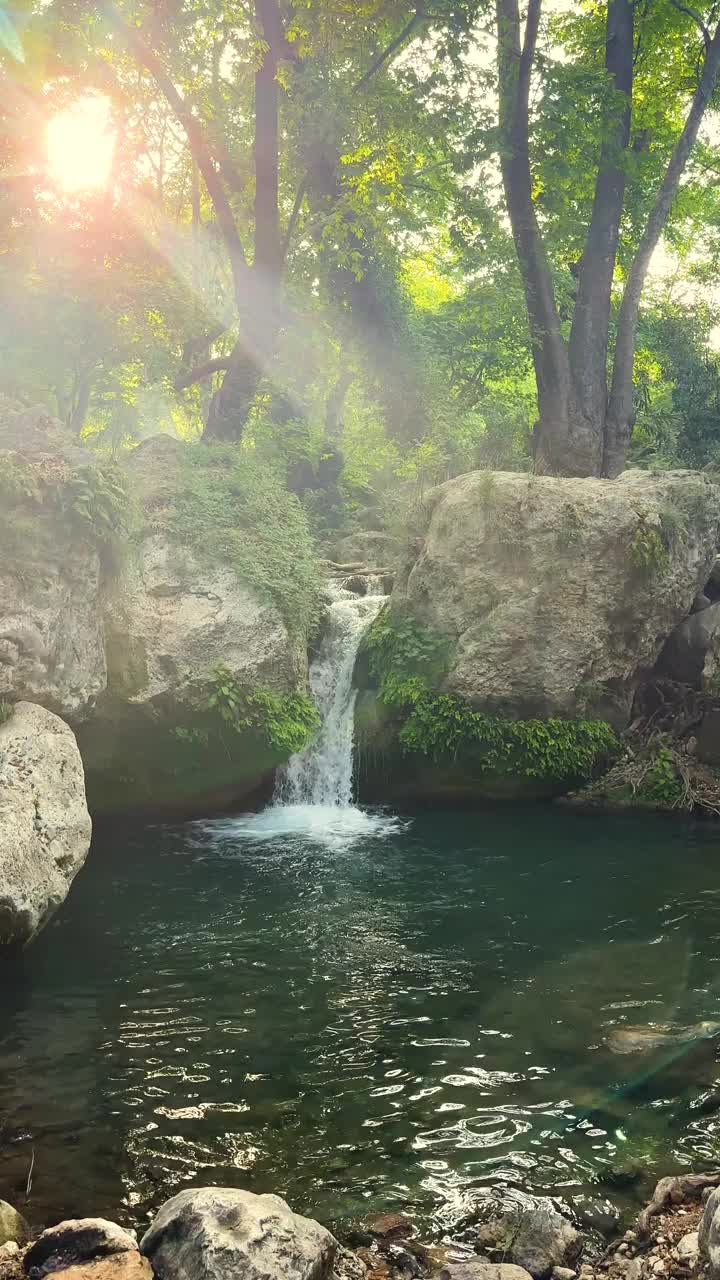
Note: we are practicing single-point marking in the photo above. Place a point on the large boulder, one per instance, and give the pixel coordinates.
(218, 1233)
(13, 1227)
(173, 617)
(44, 822)
(76, 1241)
(557, 595)
(171, 621)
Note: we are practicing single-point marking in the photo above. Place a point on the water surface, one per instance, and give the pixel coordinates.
(396, 1016)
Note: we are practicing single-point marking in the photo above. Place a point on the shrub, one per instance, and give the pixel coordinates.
(407, 661)
(286, 720)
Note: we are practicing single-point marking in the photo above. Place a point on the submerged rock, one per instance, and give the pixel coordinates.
(76, 1241)
(218, 1233)
(658, 1036)
(13, 1227)
(45, 827)
(556, 595)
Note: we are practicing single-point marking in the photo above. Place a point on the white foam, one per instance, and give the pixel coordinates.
(314, 823)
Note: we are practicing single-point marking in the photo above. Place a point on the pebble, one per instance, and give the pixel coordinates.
(563, 1273)
(659, 1267)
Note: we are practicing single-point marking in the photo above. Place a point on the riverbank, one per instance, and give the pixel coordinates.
(224, 1234)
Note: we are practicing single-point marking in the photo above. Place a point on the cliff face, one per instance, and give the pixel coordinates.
(113, 621)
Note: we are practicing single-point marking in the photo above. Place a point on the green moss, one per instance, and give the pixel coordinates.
(647, 549)
(407, 662)
(233, 509)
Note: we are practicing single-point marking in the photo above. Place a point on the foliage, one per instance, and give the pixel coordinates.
(407, 660)
(232, 507)
(286, 720)
(662, 784)
(44, 501)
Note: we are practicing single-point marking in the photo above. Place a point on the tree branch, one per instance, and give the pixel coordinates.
(199, 146)
(200, 372)
(379, 62)
(294, 218)
(692, 13)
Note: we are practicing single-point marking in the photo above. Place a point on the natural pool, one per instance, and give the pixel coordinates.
(396, 1020)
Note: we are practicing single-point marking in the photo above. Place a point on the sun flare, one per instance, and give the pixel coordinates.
(80, 146)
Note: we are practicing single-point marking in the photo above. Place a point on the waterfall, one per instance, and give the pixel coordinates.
(322, 774)
(313, 799)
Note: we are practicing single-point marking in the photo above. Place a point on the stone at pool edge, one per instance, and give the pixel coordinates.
(13, 1227)
(481, 1269)
(77, 1241)
(543, 1240)
(709, 1235)
(218, 1233)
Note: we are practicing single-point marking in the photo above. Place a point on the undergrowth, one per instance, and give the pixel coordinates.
(284, 721)
(48, 502)
(407, 662)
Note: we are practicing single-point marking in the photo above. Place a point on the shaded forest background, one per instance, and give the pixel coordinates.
(304, 243)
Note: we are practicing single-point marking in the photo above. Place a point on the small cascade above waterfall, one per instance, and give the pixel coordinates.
(323, 773)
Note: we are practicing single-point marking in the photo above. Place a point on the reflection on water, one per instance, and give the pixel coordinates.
(397, 1015)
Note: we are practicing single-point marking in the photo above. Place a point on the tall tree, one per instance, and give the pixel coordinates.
(585, 411)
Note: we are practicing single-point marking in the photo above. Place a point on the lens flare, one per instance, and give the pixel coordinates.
(80, 146)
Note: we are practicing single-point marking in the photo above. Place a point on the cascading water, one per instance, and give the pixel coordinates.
(323, 773)
(314, 794)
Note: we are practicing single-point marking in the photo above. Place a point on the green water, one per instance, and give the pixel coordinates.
(401, 1021)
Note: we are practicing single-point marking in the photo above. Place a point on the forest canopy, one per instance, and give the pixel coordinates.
(379, 243)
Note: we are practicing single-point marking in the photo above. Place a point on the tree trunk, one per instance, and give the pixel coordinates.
(231, 404)
(588, 346)
(259, 308)
(565, 442)
(620, 415)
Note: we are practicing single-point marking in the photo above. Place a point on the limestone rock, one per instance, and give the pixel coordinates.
(170, 622)
(556, 595)
(44, 822)
(479, 1269)
(369, 547)
(51, 640)
(646, 1039)
(709, 1235)
(218, 1233)
(544, 1240)
(687, 1248)
(13, 1227)
(118, 1266)
(692, 653)
(77, 1241)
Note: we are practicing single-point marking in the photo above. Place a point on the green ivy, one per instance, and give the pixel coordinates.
(287, 721)
(407, 661)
